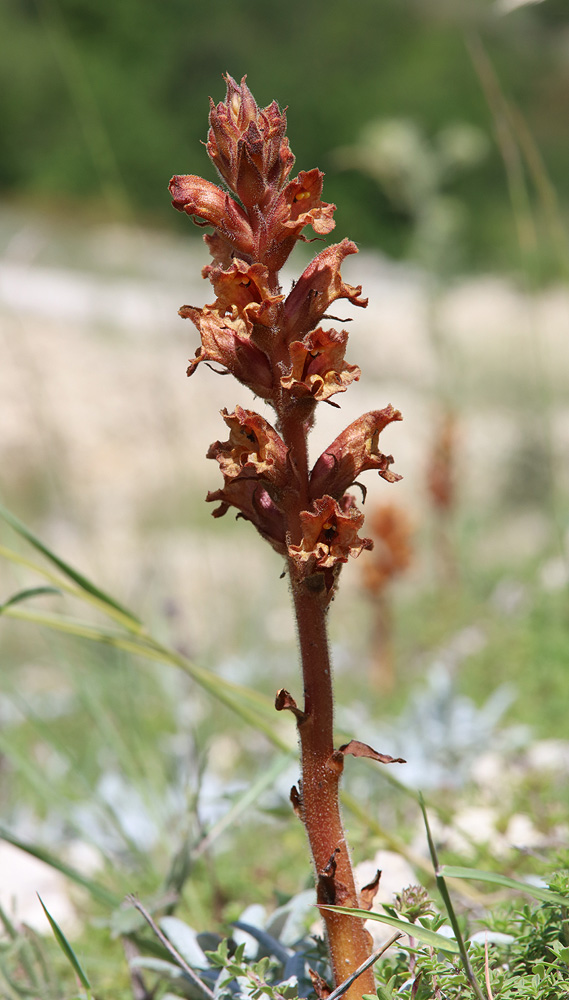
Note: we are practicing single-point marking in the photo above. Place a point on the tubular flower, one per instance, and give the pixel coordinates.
(318, 286)
(318, 368)
(227, 342)
(255, 467)
(330, 535)
(198, 197)
(354, 451)
(298, 206)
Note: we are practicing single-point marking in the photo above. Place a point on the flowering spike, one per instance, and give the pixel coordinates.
(279, 349)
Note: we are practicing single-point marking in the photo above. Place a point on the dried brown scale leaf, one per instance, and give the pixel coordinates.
(319, 985)
(357, 749)
(284, 701)
(369, 892)
(296, 801)
(318, 368)
(354, 451)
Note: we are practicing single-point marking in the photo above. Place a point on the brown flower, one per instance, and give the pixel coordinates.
(243, 290)
(198, 197)
(318, 286)
(329, 537)
(297, 206)
(254, 449)
(354, 451)
(227, 342)
(318, 368)
(255, 469)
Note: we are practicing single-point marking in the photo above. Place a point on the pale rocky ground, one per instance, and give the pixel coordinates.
(104, 437)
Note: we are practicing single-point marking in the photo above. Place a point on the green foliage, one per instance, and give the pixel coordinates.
(528, 957)
(103, 102)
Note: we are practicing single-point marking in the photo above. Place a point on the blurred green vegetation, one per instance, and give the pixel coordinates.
(102, 102)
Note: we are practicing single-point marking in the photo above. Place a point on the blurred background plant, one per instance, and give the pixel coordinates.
(118, 768)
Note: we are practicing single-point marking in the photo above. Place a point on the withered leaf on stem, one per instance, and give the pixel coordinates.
(284, 700)
(296, 801)
(368, 893)
(320, 985)
(357, 749)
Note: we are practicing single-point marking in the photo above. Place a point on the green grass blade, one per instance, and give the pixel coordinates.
(65, 568)
(95, 890)
(544, 895)
(445, 895)
(265, 780)
(24, 595)
(254, 708)
(420, 933)
(66, 948)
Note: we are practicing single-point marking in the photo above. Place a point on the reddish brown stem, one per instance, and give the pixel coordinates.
(349, 942)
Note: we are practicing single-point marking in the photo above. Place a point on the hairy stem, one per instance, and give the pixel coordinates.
(349, 942)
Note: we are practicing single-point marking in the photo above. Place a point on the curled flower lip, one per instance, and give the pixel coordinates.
(243, 290)
(255, 467)
(318, 368)
(254, 449)
(329, 537)
(297, 206)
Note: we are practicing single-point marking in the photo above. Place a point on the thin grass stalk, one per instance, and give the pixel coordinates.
(445, 895)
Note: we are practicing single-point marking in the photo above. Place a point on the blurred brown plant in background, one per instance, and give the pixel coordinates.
(391, 531)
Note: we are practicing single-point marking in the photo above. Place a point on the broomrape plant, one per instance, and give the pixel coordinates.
(275, 345)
